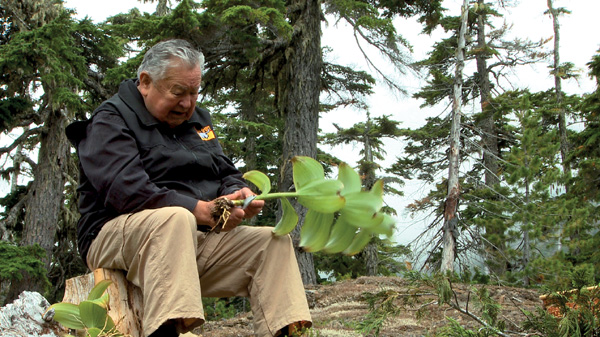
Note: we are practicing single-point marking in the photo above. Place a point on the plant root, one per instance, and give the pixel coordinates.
(220, 213)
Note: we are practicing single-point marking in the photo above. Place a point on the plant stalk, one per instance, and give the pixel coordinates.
(269, 196)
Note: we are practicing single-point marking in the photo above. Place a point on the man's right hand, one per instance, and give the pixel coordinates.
(203, 210)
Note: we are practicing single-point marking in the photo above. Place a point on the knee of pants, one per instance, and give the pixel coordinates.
(280, 242)
(173, 219)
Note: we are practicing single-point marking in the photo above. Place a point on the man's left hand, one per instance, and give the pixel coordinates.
(254, 207)
(237, 213)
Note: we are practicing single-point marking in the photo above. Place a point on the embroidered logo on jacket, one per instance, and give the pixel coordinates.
(206, 133)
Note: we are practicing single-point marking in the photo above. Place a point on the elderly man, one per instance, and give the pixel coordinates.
(151, 167)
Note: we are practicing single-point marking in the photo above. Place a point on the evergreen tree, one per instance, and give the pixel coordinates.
(586, 153)
(449, 230)
(74, 66)
(45, 61)
(280, 40)
(370, 135)
(580, 236)
(532, 173)
(560, 71)
(483, 137)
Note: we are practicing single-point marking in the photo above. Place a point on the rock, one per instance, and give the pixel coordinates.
(24, 317)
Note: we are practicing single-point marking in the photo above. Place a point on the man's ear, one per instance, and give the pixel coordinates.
(145, 83)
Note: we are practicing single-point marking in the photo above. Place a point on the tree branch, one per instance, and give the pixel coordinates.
(11, 219)
(93, 81)
(20, 139)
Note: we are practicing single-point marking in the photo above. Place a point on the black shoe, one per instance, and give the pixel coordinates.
(165, 330)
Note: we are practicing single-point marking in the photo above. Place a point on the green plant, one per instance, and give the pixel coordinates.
(17, 261)
(341, 217)
(381, 306)
(569, 313)
(454, 329)
(219, 308)
(582, 275)
(542, 322)
(489, 310)
(90, 317)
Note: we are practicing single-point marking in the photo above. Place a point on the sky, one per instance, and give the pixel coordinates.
(580, 39)
(579, 42)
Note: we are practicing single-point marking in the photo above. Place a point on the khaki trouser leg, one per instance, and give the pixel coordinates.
(252, 261)
(157, 248)
(168, 259)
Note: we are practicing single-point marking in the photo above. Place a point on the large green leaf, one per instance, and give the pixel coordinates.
(377, 192)
(305, 171)
(315, 230)
(321, 187)
(349, 178)
(341, 237)
(110, 328)
(322, 196)
(363, 201)
(361, 210)
(68, 315)
(289, 219)
(99, 289)
(323, 203)
(386, 227)
(92, 314)
(93, 332)
(361, 239)
(103, 301)
(359, 219)
(260, 180)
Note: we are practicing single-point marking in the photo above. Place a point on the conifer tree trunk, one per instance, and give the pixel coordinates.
(302, 85)
(248, 113)
(490, 138)
(370, 252)
(451, 205)
(161, 8)
(248, 110)
(562, 123)
(489, 133)
(562, 120)
(45, 199)
(46, 196)
(526, 241)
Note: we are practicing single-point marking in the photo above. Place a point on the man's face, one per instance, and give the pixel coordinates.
(172, 100)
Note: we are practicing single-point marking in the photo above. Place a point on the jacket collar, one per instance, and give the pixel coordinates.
(129, 93)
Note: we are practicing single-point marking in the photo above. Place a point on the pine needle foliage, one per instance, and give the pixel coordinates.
(381, 306)
(575, 313)
(17, 260)
(479, 305)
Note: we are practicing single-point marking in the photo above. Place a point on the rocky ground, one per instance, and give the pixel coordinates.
(340, 308)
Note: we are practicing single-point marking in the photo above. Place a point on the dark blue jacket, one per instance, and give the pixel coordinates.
(129, 162)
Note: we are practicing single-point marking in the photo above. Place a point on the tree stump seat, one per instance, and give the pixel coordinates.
(125, 305)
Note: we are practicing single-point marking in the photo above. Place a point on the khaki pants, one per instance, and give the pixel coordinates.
(174, 265)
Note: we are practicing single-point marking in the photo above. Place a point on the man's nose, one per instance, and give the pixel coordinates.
(186, 102)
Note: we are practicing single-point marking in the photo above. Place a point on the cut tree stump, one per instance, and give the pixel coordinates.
(126, 302)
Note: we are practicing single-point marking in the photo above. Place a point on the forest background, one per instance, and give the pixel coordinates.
(527, 210)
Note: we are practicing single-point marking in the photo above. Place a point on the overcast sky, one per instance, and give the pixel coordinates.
(579, 42)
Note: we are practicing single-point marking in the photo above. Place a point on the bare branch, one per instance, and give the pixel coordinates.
(94, 81)
(19, 140)
(391, 52)
(11, 219)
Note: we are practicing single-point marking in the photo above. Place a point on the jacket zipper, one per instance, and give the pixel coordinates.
(185, 147)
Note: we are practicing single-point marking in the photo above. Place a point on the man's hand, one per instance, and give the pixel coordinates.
(254, 207)
(203, 210)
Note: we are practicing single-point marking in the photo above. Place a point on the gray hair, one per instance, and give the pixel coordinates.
(159, 58)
